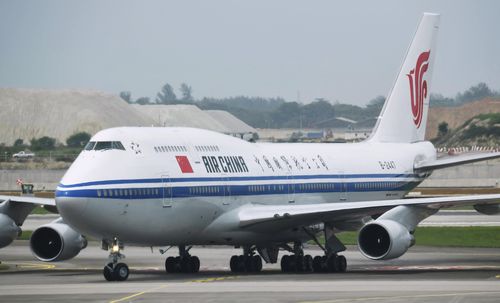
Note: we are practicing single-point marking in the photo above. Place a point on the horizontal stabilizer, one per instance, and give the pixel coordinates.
(453, 161)
(32, 200)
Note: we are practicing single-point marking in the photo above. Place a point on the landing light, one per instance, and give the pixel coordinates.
(115, 248)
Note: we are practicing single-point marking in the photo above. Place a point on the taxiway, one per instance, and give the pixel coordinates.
(424, 274)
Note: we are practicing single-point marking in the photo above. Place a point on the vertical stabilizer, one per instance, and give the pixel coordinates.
(404, 116)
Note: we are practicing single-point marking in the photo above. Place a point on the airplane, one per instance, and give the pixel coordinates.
(182, 187)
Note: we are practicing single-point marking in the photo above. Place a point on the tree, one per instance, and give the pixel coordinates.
(19, 142)
(78, 139)
(317, 113)
(287, 115)
(166, 95)
(142, 100)
(442, 129)
(478, 92)
(126, 96)
(438, 100)
(44, 143)
(186, 92)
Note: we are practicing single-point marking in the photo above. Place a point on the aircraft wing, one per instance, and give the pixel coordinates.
(33, 200)
(454, 160)
(272, 217)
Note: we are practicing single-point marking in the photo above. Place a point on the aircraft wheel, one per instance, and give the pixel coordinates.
(170, 265)
(308, 262)
(285, 264)
(233, 263)
(316, 265)
(300, 265)
(194, 264)
(341, 264)
(108, 272)
(121, 272)
(257, 263)
(332, 264)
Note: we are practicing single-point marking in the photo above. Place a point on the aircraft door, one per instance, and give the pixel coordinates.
(166, 191)
(343, 187)
(226, 190)
(290, 184)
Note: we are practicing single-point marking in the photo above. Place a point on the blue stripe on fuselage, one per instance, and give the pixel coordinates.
(237, 190)
(239, 178)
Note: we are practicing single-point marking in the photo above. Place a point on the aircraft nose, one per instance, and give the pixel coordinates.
(70, 208)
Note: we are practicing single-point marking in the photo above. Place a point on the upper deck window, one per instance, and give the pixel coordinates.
(103, 145)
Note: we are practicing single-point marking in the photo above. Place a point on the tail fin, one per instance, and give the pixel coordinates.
(404, 115)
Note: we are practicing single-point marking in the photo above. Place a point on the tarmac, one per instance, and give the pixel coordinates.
(424, 274)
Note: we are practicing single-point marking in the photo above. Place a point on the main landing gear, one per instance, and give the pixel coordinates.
(248, 262)
(114, 270)
(184, 263)
(330, 262)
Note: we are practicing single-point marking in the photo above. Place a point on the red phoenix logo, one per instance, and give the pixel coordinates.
(418, 87)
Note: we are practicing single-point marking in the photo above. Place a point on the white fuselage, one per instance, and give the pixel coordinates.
(166, 186)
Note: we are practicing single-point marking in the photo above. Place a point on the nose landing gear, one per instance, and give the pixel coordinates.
(114, 270)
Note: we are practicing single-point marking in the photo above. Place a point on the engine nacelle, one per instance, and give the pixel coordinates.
(384, 239)
(8, 230)
(487, 209)
(56, 241)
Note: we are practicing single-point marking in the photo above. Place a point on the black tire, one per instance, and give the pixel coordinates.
(341, 264)
(248, 264)
(121, 272)
(194, 264)
(316, 265)
(233, 263)
(285, 263)
(299, 263)
(177, 265)
(108, 272)
(241, 263)
(308, 262)
(186, 265)
(332, 264)
(257, 261)
(170, 265)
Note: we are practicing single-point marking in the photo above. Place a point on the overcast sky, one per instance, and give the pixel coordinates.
(348, 51)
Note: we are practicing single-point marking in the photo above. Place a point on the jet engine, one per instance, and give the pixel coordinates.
(384, 239)
(8, 230)
(487, 209)
(56, 241)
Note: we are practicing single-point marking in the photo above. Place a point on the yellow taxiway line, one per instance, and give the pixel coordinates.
(207, 280)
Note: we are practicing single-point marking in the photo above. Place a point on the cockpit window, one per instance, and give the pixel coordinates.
(103, 145)
(90, 145)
